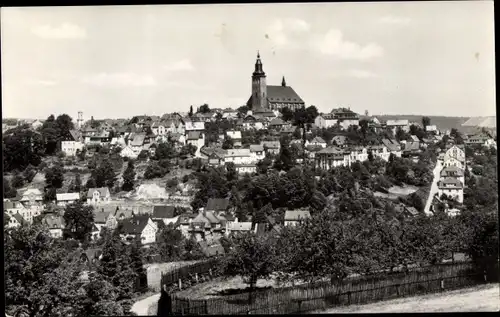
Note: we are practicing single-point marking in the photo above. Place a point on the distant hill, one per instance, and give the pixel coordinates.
(443, 123)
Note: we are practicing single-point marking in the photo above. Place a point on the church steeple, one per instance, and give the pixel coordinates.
(283, 82)
(258, 66)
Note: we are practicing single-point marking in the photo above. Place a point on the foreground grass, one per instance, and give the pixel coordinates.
(481, 298)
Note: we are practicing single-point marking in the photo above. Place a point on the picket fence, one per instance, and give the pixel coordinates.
(320, 296)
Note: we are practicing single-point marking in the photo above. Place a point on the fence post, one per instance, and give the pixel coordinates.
(349, 298)
(485, 277)
(180, 284)
(210, 272)
(206, 307)
(196, 277)
(300, 304)
(442, 285)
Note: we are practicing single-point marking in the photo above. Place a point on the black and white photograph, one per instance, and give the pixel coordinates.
(258, 158)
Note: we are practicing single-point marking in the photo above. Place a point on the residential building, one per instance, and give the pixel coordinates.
(325, 120)
(98, 195)
(139, 226)
(197, 139)
(345, 117)
(165, 213)
(451, 187)
(67, 198)
(455, 156)
(184, 223)
(272, 147)
(217, 205)
(215, 156)
(137, 142)
(317, 141)
(179, 140)
(340, 141)
(331, 157)
(271, 97)
(194, 126)
(30, 197)
(483, 140)
(238, 156)
(105, 219)
(15, 221)
(295, 217)
(398, 124)
(207, 226)
(235, 136)
(277, 124)
(253, 122)
(393, 146)
(54, 223)
(129, 152)
(246, 168)
(16, 207)
(431, 128)
(75, 143)
(235, 227)
(380, 151)
(257, 152)
(453, 171)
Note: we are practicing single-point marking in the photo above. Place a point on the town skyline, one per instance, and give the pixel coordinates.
(434, 58)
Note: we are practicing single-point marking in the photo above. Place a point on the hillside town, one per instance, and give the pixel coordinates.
(265, 160)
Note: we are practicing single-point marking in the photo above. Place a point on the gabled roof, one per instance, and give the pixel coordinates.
(271, 144)
(397, 122)
(236, 135)
(414, 138)
(277, 121)
(185, 218)
(317, 140)
(239, 226)
(298, 214)
(282, 94)
(194, 135)
(135, 225)
(76, 135)
(200, 218)
(163, 211)
(19, 218)
(456, 183)
(452, 169)
(101, 216)
(412, 146)
(53, 221)
(256, 148)
(237, 152)
(211, 217)
(67, 196)
(103, 191)
(392, 145)
(217, 204)
(138, 139)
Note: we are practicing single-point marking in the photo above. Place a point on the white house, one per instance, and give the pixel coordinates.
(73, 144)
(453, 171)
(454, 156)
(380, 151)
(196, 138)
(98, 195)
(294, 217)
(246, 168)
(15, 221)
(431, 128)
(317, 141)
(67, 198)
(54, 223)
(451, 187)
(142, 227)
(238, 156)
(127, 151)
(325, 121)
(235, 227)
(235, 136)
(194, 126)
(257, 152)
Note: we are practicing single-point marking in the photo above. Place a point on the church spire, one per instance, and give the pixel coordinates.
(258, 66)
(283, 82)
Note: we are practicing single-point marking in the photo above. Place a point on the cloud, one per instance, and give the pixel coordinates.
(182, 65)
(359, 73)
(333, 43)
(283, 31)
(64, 31)
(121, 80)
(394, 20)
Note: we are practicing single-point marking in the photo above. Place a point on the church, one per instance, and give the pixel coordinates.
(268, 97)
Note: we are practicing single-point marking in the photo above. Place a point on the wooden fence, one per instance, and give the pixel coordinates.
(189, 272)
(358, 290)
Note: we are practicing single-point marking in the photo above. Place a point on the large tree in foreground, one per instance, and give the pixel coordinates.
(79, 220)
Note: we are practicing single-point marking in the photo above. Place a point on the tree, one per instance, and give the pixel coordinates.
(287, 114)
(228, 143)
(129, 177)
(64, 124)
(29, 173)
(263, 165)
(104, 174)
(164, 151)
(8, 190)
(17, 180)
(156, 170)
(416, 202)
(426, 121)
(285, 160)
(318, 201)
(54, 176)
(170, 244)
(191, 111)
(204, 108)
(137, 266)
(252, 257)
(77, 185)
(79, 220)
(21, 147)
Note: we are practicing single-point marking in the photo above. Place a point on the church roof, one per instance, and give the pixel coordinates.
(282, 94)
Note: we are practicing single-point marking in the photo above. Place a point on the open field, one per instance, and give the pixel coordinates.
(481, 298)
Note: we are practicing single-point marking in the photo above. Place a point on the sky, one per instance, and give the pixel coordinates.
(423, 58)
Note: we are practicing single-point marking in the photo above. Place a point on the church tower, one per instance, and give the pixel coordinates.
(259, 86)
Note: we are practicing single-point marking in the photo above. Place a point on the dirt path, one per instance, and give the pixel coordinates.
(141, 307)
(484, 298)
(434, 186)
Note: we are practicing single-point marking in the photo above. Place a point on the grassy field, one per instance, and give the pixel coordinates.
(481, 298)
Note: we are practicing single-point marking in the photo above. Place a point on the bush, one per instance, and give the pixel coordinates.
(171, 183)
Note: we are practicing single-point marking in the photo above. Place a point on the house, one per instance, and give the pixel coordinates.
(238, 156)
(393, 146)
(483, 140)
(105, 219)
(453, 171)
(317, 141)
(288, 130)
(398, 124)
(54, 223)
(246, 168)
(194, 126)
(411, 148)
(339, 141)
(122, 214)
(217, 205)
(235, 136)
(165, 213)
(325, 121)
(214, 155)
(455, 156)
(451, 187)
(431, 128)
(272, 147)
(184, 223)
(67, 198)
(207, 226)
(235, 227)
(253, 122)
(197, 139)
(212, 249)
(294, 217)
(98, 138)
(229, 113)
(257, 152)
(127, 151)
(138, 140)
(380, 151)
(331, 157)
(98, 195)
(16, 207)
(345, 117)
(73, 144)
(277, 124)
(139, 226)
(15, 221)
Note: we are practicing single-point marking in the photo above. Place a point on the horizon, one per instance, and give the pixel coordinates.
(122, 61)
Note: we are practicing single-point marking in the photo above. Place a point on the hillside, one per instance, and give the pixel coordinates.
(443, 123)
